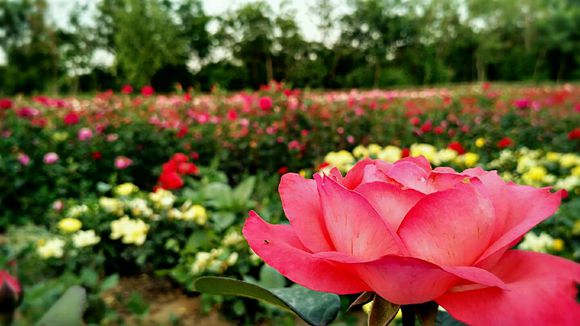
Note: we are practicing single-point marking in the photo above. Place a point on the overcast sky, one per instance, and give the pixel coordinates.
(305, 17)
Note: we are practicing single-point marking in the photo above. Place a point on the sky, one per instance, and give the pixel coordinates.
(305, 17)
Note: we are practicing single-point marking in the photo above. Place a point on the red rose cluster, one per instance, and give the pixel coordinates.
(173, 171)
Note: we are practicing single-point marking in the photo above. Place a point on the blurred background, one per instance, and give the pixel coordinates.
(78, 46)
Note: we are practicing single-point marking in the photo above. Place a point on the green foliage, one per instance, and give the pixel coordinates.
(68, 310)
(315, 308)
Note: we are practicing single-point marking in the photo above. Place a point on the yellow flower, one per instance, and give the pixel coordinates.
(390, 154)
(131, 231)
(575, 171)
(162, 198)
(360, 151)
(342, 160)
(429, 151)
(553, 156)
(53, 248)
(535, 175)
(367, 309)
(374, 149)
(576, 228)
(200, 214)
(569, 160)
(471, 159)
(446, 155)
(111, 205)
(125, 189)
(69, 225)
(60, 136)
(480, 142)
(85, 238)
(558, 245)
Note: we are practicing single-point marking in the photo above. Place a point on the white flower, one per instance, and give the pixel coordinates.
(131, 231)
(537, 243)
(53, 248)
(85, 238)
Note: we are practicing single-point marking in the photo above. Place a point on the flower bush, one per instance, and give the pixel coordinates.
(113, 185)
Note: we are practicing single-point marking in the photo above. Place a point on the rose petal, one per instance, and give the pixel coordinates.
(518, 209)
(541, 290)
(280, 248)
(449, 228)
(391, 202)
(353, 225)
(302, 208)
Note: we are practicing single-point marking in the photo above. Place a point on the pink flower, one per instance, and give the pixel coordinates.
(265, 103)
(123, 162)
(85, 134)
(10, 292)
(23, 159)
(412, 235)
(50, 158)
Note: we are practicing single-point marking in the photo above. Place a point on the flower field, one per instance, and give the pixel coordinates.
(97, 190)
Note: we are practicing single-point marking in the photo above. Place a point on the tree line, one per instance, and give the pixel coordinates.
(376, 43)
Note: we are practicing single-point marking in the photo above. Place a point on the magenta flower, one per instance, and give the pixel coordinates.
(23, 159)
(265, 103)
(85, 134)
(413, 235)
(123, 162)
(50, 158)
(10, 292)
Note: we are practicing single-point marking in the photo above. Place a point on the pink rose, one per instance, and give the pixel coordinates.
(85, 134)
(123, 162)
(50, 158)
(23, 159)
(412, 235)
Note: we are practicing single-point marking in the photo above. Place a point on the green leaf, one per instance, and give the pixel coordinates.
(219, 194)
(382, 312)
(427, 313)
(110, 282)
(68, 310)
(270, 278)
(445, 319)
(244, 190)
(315, 308)
(223, 220)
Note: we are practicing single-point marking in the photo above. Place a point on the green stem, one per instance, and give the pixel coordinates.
(408, 315)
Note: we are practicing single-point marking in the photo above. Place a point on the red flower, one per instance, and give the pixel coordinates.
(427, 126)
(127, 89)
(505, 142)
(574, 134)
(97, 155)
(182, 132)
(438, 130)
(405, 152)
(186, 168)
(456, 146)
(283, 170)
(170, 180)
(5, 103)
(147, 91)
(265, 103)
(232, 115)
(71, 118)
(414, 121)
(179, 158)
